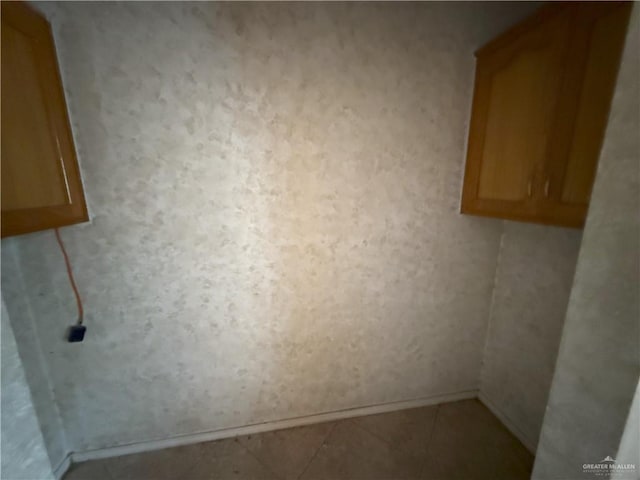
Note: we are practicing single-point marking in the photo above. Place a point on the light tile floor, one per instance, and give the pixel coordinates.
(453, 441)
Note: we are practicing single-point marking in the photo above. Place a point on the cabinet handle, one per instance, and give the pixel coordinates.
(529, 188)
(546, 188)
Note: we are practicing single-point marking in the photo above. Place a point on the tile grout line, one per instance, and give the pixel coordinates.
(366, 430)
(185, 475)
(429, 441)
(109, 474)
(248, 450)
(202, 455)
(306, 467)
(105, 466)
(199, 458)
(264, 464)
(433, 428)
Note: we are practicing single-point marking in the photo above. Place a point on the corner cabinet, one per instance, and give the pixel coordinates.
(540, 107)
(41, 185)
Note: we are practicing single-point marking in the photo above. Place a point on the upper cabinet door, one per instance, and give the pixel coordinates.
(41, 185)
(518, 79)
(596, 46)
(540, 107)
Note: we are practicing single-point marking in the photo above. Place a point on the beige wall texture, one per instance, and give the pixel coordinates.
(22, 448)
(34, 354)
(533, 280)
(599, 360)
(274, 193)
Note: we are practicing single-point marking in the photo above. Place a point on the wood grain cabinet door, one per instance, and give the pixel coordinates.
(41, 185)
(517, 89)
(540, 109)
(597, 40)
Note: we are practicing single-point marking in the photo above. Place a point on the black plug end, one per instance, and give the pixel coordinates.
(76, 333)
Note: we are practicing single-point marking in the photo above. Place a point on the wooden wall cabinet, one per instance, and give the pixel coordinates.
(540, 108)
(41, 185)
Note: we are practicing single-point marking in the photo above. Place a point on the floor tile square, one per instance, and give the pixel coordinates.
(166, 464)
(469, 443)
(352, 453)
(239, 465)
(407, 430)
(288, 452)
(93, 470)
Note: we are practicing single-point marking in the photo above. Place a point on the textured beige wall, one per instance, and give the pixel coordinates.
(24, 456)
(533, 279)
(34, 355)
(274, 193)
(599, 361)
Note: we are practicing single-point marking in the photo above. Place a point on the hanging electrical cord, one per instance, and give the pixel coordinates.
(77, 331)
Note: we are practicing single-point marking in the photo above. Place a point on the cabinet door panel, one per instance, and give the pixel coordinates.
(514, 143)
(41, 185)
(607, 34)
(518, 79)
(540, 108)
(27, 139)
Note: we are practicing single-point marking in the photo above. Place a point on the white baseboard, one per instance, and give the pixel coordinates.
(511, 426)
(208, 436)
(61, 469)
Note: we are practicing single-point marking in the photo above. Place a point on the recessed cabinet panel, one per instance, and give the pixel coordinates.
(540, 107)
(41, 185)
(528, 83)
(26, 133)
(607, 40)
